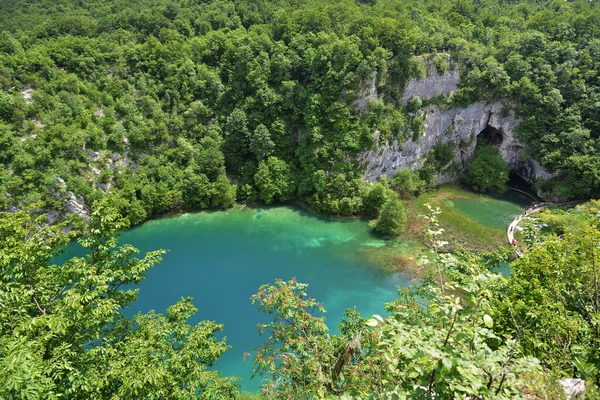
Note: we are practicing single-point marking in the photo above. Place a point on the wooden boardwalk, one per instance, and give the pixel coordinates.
(513, 225)
(537, 207)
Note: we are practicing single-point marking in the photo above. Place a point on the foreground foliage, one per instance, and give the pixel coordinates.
(464, 332)
(431, 345)
(62, 328)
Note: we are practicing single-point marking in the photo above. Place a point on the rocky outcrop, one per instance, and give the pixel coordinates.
(368, 92)
(433, 83)
(574, 388)
(459, 127)
(28, 95)
(76, 204)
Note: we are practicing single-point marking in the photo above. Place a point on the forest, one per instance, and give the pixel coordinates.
(115, 112)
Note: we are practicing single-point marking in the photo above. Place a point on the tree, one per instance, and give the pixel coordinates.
(260, 143)
(553, 302)
(274, 180)
(431, 345)
(6, 106)
(392, 217)
(63, 332)
(407, 183)
(297, 344)
(375, 197)
(223, 192)
(487, 172)
(196, 190)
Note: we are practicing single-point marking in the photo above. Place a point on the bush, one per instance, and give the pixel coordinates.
(408, 183)
(488, 172)
(6, 106)
(440, 155)
(392, 217)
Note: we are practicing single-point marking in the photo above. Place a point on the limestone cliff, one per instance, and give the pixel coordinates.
(433, 83)
(459, 127)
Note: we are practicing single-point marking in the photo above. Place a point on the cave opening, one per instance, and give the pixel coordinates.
(491, 136)
(517, 182)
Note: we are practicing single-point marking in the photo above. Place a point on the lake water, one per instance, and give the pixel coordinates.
(221, 258)
(495, 212)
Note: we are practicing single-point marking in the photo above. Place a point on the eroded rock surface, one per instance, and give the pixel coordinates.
(433, 83)
(460, 128)
(574, 388)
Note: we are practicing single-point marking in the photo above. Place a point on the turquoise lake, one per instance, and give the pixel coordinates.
(221, 258)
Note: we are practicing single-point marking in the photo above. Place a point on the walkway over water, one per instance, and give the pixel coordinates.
(535, 208)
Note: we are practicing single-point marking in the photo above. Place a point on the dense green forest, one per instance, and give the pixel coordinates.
(186, 104)
(138, 108)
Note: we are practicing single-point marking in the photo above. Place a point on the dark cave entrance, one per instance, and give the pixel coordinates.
(494, 137)
(516, 181)
(491, 136)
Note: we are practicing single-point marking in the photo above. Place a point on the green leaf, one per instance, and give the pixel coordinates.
(488, 321)
(378, 317)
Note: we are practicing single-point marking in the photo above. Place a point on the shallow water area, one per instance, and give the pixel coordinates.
(494, 212)
(221, 258)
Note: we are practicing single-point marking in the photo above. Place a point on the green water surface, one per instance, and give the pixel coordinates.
(221, 258)
(494, 212)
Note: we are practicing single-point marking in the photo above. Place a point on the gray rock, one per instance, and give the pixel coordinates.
(60, 181)
(95, 171)
(458, 127)
(52, 216)
(368, 92)
(104, 186)
(27, 94)
(433, 84)
(94, 155)
(76, 204)
(574, 388)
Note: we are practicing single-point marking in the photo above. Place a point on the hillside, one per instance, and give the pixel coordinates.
(176, 105)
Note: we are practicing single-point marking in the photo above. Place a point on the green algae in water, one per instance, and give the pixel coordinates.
(495, 213)
(221, 258)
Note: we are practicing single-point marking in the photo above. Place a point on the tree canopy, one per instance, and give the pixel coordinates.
(487, 171)
(62, 328)
(149, 102)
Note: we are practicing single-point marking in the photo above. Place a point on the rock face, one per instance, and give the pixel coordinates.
(433, 84)
(369, 92)
(76, 204)
(574, 388)
(459, 127)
